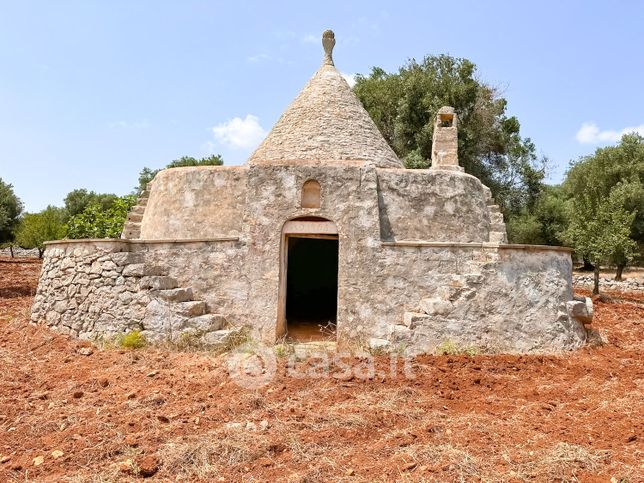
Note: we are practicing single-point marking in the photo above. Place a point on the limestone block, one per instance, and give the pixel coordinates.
(127, 258)
(174, 294)
(436, 306)
(155, 270)
(497, 237)
(189, 309)
(60, 306)
(414, 320)
(159, 282)
(109, 265)
(378, 344)
(134, 270)
(206, 322)
(157, 318)
(401, 333)
(581, 310)
(220, 336)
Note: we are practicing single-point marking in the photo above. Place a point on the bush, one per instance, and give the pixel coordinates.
(132, 340)
(97, 222)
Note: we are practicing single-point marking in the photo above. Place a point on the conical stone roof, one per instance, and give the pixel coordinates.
(326, 124)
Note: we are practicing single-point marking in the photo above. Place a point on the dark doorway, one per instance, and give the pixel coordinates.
(311, 288)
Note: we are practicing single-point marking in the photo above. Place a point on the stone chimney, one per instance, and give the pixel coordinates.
(445, 140)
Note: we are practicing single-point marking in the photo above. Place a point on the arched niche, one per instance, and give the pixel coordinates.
(311, 194)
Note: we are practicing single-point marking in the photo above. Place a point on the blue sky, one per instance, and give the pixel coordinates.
(93, 91)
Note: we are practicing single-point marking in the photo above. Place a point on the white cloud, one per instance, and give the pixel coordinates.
(589, 133)
(350, 78)
(312, 39)
(240, 133)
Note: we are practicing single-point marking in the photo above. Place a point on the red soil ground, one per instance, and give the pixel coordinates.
(120, 414)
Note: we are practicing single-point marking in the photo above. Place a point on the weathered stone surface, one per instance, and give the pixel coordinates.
(326, 123)
(220, 336)
(159, 282)
(134, 270)
(175, 294)
(581, 310)
(206, 322)
(378, 344)
(190, 309)
(436, 306)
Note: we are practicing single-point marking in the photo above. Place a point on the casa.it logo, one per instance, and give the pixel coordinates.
(252, 365)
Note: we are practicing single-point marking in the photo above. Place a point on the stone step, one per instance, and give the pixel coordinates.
(206, 322)
(131, 233)
(497, 237)
(190, 309)
(137, 209)
(219, 337)
(494, 208)
(142, 202)
(157, 270)
(156, 282)
(175, 294)
(497, 227)
(135, 217)
(496, 218)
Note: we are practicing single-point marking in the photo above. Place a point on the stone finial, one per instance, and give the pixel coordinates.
(445, 140)
(328, 42)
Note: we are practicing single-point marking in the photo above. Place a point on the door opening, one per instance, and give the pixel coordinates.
(311, 287)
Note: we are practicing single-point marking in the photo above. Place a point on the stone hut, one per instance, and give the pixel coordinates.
(322, 233)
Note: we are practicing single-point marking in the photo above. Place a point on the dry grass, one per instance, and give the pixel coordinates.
(207, 455)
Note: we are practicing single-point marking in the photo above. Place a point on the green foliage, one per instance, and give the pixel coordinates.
(132, 340)
(37, 228)
(545, 223)
(76, 201)
(146, 175)
(600, 228)
(450, 348)
(10, 210)
(97, 222)
(524, 228)
(606, 199)
(404, 105)
(213, 160)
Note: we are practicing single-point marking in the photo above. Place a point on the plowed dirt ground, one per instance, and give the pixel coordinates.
(113, 414)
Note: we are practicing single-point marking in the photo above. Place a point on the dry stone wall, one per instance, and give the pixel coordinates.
(487, 299)
(98, 289)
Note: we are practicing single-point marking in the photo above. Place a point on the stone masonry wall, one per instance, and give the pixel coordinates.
(97, 289)
(390, 293)
(489, 299)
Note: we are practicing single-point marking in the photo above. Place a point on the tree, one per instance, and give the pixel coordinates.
(545, 222)
(404, 105)
(37, 228)
(146, 175)
(601, 228)
(77, 200)
(10, 210)
(615, 174)
(97, 222)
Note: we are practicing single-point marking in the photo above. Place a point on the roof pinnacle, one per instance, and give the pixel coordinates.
(328, 42)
